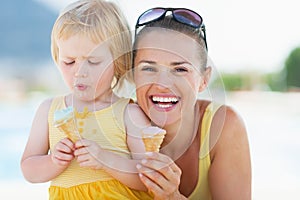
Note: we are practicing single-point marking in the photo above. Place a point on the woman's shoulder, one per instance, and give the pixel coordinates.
(222, 112)
(229, 118)
(227, 130)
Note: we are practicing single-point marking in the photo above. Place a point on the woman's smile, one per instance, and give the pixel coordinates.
(164, 102)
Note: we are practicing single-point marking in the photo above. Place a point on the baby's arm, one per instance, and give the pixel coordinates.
(90, 154)
(135, 121)
(37, 164)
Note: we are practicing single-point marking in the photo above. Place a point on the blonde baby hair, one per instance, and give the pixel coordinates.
(101, 21)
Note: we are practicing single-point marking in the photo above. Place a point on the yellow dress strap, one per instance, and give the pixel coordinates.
(202, 189)
(56, 104)
(205, 128)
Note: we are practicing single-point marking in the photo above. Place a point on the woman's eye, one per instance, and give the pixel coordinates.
(180, 70)
(149, 69)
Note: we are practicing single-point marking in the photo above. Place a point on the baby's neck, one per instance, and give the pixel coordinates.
(92, 105)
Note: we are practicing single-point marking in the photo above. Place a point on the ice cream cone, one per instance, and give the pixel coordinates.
(65, 121)
(152, 138)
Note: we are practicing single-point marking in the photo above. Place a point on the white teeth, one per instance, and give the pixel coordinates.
(164, 99)
(164, 105)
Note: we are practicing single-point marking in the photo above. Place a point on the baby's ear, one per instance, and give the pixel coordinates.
(205, 79)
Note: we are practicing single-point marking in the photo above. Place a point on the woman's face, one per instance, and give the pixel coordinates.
(167, 75)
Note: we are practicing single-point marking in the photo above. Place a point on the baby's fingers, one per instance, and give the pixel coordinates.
(80, 151)
(64, 146)
(83, 143)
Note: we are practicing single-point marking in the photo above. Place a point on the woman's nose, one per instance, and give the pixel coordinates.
(164, 79)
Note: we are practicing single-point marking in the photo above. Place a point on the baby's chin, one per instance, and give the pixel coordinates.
(83, 95)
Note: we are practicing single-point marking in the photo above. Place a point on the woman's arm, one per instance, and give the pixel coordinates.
(36, 164)
(230, 171)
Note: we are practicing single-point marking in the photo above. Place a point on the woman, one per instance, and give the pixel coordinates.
(205, 154)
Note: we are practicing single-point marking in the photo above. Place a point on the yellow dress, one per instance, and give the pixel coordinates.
(202, 189)
(106, 127)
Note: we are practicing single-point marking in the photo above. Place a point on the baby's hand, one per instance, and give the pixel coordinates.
(63, 152)
(88, 154)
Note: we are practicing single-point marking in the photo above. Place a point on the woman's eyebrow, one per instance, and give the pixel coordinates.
(179, 63)
(171, 64)
(147, 61)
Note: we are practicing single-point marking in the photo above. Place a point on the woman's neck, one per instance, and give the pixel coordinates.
(181, 134)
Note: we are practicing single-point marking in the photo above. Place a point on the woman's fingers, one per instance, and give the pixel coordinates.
(164, 159)
(160, 175)
(164, 177)
(164, 165)
(151, 185)
(158, 185)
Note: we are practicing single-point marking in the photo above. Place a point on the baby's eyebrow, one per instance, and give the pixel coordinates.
(91, 57)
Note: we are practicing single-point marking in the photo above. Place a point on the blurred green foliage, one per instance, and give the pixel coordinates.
(240, 81)
(286, 79)
(276, 81)
(292, 69)
(230, 81)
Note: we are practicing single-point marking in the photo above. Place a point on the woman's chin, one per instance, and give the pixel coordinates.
(161, 117)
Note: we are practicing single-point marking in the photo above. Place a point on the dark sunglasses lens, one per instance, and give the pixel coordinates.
(150, 15)
(188, 17)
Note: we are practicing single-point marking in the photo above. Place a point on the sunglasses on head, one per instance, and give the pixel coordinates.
(181, 15)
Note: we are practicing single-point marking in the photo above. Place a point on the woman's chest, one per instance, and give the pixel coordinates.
(189, 165)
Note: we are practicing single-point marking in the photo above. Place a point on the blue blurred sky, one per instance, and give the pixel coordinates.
(242, 35)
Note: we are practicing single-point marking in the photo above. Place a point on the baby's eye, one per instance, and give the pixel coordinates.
(94, 62)
(69, 63)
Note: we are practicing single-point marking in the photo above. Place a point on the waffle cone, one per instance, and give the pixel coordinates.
(153, 138)
(68, 127)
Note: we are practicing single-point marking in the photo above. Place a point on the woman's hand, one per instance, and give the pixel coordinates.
(88, 154)
(62, 154)
(161, 176)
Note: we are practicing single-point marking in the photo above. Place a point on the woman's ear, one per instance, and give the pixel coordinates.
(205, 79)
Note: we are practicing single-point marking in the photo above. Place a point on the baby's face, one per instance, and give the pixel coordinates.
(86, 67)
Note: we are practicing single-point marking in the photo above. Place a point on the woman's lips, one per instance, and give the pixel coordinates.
(164, 103)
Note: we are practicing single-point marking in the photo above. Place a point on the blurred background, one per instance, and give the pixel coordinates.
(255, 49)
